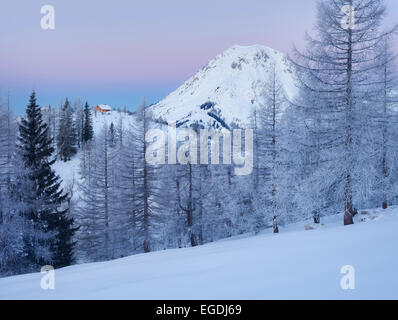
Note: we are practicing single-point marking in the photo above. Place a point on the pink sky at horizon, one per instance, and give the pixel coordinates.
(116, 52)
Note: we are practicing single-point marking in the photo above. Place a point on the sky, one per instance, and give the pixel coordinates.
(121, 52)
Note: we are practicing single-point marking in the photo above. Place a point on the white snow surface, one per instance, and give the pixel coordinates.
(233, 82)
(115, 117)
(69, 171)
(294, 264)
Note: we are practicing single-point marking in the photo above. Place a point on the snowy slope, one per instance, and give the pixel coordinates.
(295, 264)
(69, 171)
(228, 87)
(115, 117)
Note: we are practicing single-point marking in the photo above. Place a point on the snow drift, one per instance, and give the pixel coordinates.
(295, 264)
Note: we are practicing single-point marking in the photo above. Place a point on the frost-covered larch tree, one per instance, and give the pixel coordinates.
(337, 66)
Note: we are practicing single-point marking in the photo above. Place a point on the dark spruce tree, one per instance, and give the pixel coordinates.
(112, 135)
(88, 131)
(67, 137)
(51, 211)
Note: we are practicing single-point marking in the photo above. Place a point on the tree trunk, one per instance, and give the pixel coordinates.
(348, 217)
(384, 161)
(317, 219)
(146, 190)
(349, 118)
(106, 196)
(190, 209)
(275, 225)
(385, 205)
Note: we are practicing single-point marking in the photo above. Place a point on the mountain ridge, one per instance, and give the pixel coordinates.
(225, 91)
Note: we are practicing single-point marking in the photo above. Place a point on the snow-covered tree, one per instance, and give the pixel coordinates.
(148, 194)
(387, 101)
(269, 171)
(66, 137)
(24, 238)
(7, 143)
(50, 210)
(97, 202)
(79, 122)
(337, 69)
(87, 130)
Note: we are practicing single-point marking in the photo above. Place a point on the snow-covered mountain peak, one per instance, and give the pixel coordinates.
(225, 91)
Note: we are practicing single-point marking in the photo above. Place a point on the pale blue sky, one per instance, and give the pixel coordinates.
(118, 52)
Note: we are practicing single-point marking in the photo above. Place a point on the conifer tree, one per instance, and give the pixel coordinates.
(66, 139)
(51, 210)
(112, 135)
(88, 132)
(338, 70)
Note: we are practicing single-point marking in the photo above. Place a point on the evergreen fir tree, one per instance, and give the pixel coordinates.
(66, 139)
(112, 135)
(88, 132)
(51, 210)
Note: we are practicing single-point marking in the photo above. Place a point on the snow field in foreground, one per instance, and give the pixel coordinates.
(294, 264)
